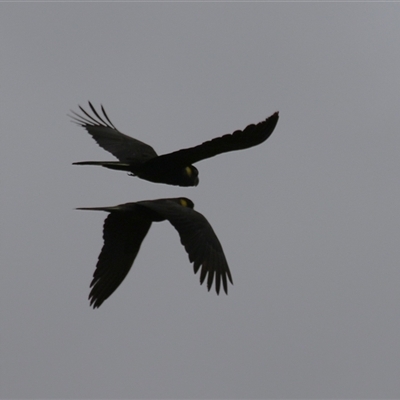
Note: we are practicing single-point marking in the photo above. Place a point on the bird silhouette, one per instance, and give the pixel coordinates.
(127, 225)
(141, 160)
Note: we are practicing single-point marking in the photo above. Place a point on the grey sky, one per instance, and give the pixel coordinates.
(309, 220)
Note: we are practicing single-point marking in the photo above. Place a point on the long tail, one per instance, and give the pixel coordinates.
(120, 207)
(109, 209)
(117, 165)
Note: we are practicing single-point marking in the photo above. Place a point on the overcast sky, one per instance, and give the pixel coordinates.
(309, 220)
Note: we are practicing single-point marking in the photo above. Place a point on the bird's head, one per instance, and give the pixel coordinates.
(183, 201)
(190, 176)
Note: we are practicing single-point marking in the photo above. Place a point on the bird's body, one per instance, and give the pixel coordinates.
(176, 168)
(127, 225)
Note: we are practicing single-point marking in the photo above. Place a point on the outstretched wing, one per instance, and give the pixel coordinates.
(251, 136)
(199, 239)
(123, 233)
(107, 136)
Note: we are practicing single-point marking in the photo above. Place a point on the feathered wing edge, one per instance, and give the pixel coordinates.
(199, 240)
(123, 234)
(252, 135)
(107, 136)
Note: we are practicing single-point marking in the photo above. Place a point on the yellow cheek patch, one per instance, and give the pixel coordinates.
(183, 202)
(188, 171)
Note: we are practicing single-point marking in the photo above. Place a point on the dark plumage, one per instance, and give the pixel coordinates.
(127, 225)
(174, 168)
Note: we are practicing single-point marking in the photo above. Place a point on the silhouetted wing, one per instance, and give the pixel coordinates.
(199, 240)
(251, 136)
(107, 136)
(123, 233)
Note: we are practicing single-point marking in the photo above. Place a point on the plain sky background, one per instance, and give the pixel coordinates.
(309, 220)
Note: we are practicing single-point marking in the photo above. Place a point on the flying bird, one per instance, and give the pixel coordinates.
(141, 160)
(126, 226)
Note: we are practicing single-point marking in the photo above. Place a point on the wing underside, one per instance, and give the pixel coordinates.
(107, 136)
(200, 242)
(251, 136)
(123, 235)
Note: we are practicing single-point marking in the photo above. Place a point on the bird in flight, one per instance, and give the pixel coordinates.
(141, 160)
(126, 226)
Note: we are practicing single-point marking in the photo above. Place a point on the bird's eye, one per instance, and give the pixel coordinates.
(188, 171)
(183, 202)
